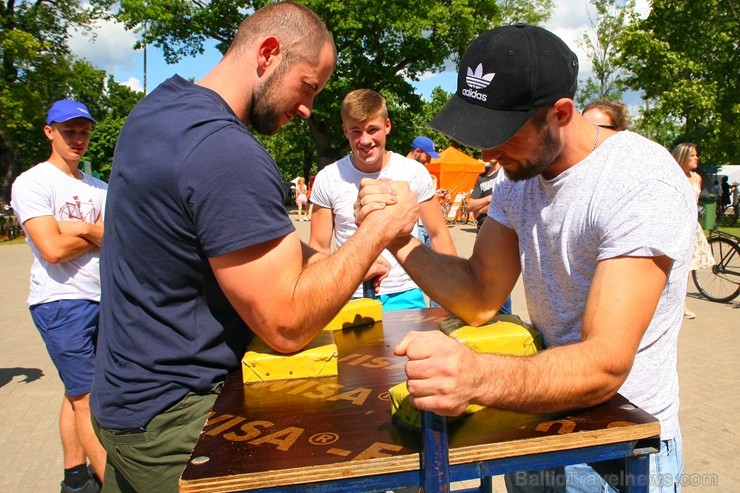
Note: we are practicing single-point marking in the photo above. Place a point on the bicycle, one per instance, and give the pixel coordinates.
(727, 214)
(444, 201)
(463, 215)
(721, 282)
(9, 225)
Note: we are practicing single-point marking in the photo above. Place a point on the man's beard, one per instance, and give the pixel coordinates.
(548, 150)
(264, 114)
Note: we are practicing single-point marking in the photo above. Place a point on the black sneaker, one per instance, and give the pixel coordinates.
(90, 486)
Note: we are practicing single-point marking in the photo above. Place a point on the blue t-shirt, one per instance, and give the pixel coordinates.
(189, 182)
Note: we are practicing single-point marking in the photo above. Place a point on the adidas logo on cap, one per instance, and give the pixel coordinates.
(477, 80)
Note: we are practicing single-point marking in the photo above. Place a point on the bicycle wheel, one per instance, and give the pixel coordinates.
(720, 282)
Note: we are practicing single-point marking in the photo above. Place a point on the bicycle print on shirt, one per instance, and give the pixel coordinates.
(78, 210)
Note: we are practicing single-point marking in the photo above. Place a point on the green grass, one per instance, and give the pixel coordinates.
(734, 230)
(5, 241)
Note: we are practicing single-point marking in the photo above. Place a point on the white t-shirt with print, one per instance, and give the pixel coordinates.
(45, 190)
(627, 198)
(336, 187)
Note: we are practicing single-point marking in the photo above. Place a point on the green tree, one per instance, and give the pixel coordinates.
(110, 107)
(602, 47)
(685, 58)
(35, 64)
(384, 45)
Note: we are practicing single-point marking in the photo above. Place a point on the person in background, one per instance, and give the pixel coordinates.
(200, 253)
(726, 194)
(61, 210)
(716, 189)
(301, 198)
(607, 114)
(687, 157)
(422, 151)
(366, 124)
(585, 226)
(480, 200)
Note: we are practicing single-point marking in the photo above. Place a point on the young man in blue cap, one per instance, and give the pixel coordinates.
(423, 150)
(61, 210)
(585, 226)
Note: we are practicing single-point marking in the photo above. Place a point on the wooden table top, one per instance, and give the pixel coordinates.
(298, 431)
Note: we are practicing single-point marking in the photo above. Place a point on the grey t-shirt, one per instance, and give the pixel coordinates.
(628, 198)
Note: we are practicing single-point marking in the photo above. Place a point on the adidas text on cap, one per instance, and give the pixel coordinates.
(66, 109)
(505, 75)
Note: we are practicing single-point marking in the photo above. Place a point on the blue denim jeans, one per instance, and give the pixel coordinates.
(666, 469)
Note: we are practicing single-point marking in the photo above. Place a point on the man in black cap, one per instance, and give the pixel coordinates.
(582, 217)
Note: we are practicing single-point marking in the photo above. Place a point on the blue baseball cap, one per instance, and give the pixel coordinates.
(66, 109)
(425, 144)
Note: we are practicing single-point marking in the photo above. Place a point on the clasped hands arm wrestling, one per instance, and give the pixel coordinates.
(444, 376)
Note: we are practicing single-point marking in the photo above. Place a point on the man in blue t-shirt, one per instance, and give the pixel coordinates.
(200, 253)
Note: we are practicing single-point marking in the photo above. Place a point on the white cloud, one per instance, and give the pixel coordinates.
(568, 15)
(111, 49)
(134, 84)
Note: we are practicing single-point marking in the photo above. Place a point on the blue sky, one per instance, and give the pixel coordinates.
(112, 50)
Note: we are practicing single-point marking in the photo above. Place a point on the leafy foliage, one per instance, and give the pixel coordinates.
(384, 45)
(38, 69)
(685, 58)
(602, 47)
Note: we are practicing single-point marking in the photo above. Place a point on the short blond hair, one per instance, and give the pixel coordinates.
(362, 105)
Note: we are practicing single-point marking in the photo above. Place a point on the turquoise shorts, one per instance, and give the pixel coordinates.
(405, 300)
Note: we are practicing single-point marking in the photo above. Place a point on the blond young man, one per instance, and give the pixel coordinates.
(366, 125)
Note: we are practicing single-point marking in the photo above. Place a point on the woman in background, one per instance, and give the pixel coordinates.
(687, 157)
(301, 197)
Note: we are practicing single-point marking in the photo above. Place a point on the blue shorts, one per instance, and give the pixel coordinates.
(405, 300)
(69, 329)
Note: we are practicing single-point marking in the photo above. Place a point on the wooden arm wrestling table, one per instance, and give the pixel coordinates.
(335, 434)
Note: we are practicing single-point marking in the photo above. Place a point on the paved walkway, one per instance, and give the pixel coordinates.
(30, 390)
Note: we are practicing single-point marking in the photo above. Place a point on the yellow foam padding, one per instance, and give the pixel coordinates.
(361, 311)
(318, 359)
(505, 334)
(403, 412)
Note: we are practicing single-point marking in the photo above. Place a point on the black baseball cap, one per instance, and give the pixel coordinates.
(504, 76)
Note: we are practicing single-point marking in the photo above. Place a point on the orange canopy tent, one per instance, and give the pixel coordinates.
(455, 171)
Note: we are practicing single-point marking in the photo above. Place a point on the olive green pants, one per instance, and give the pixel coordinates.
(151, 459)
